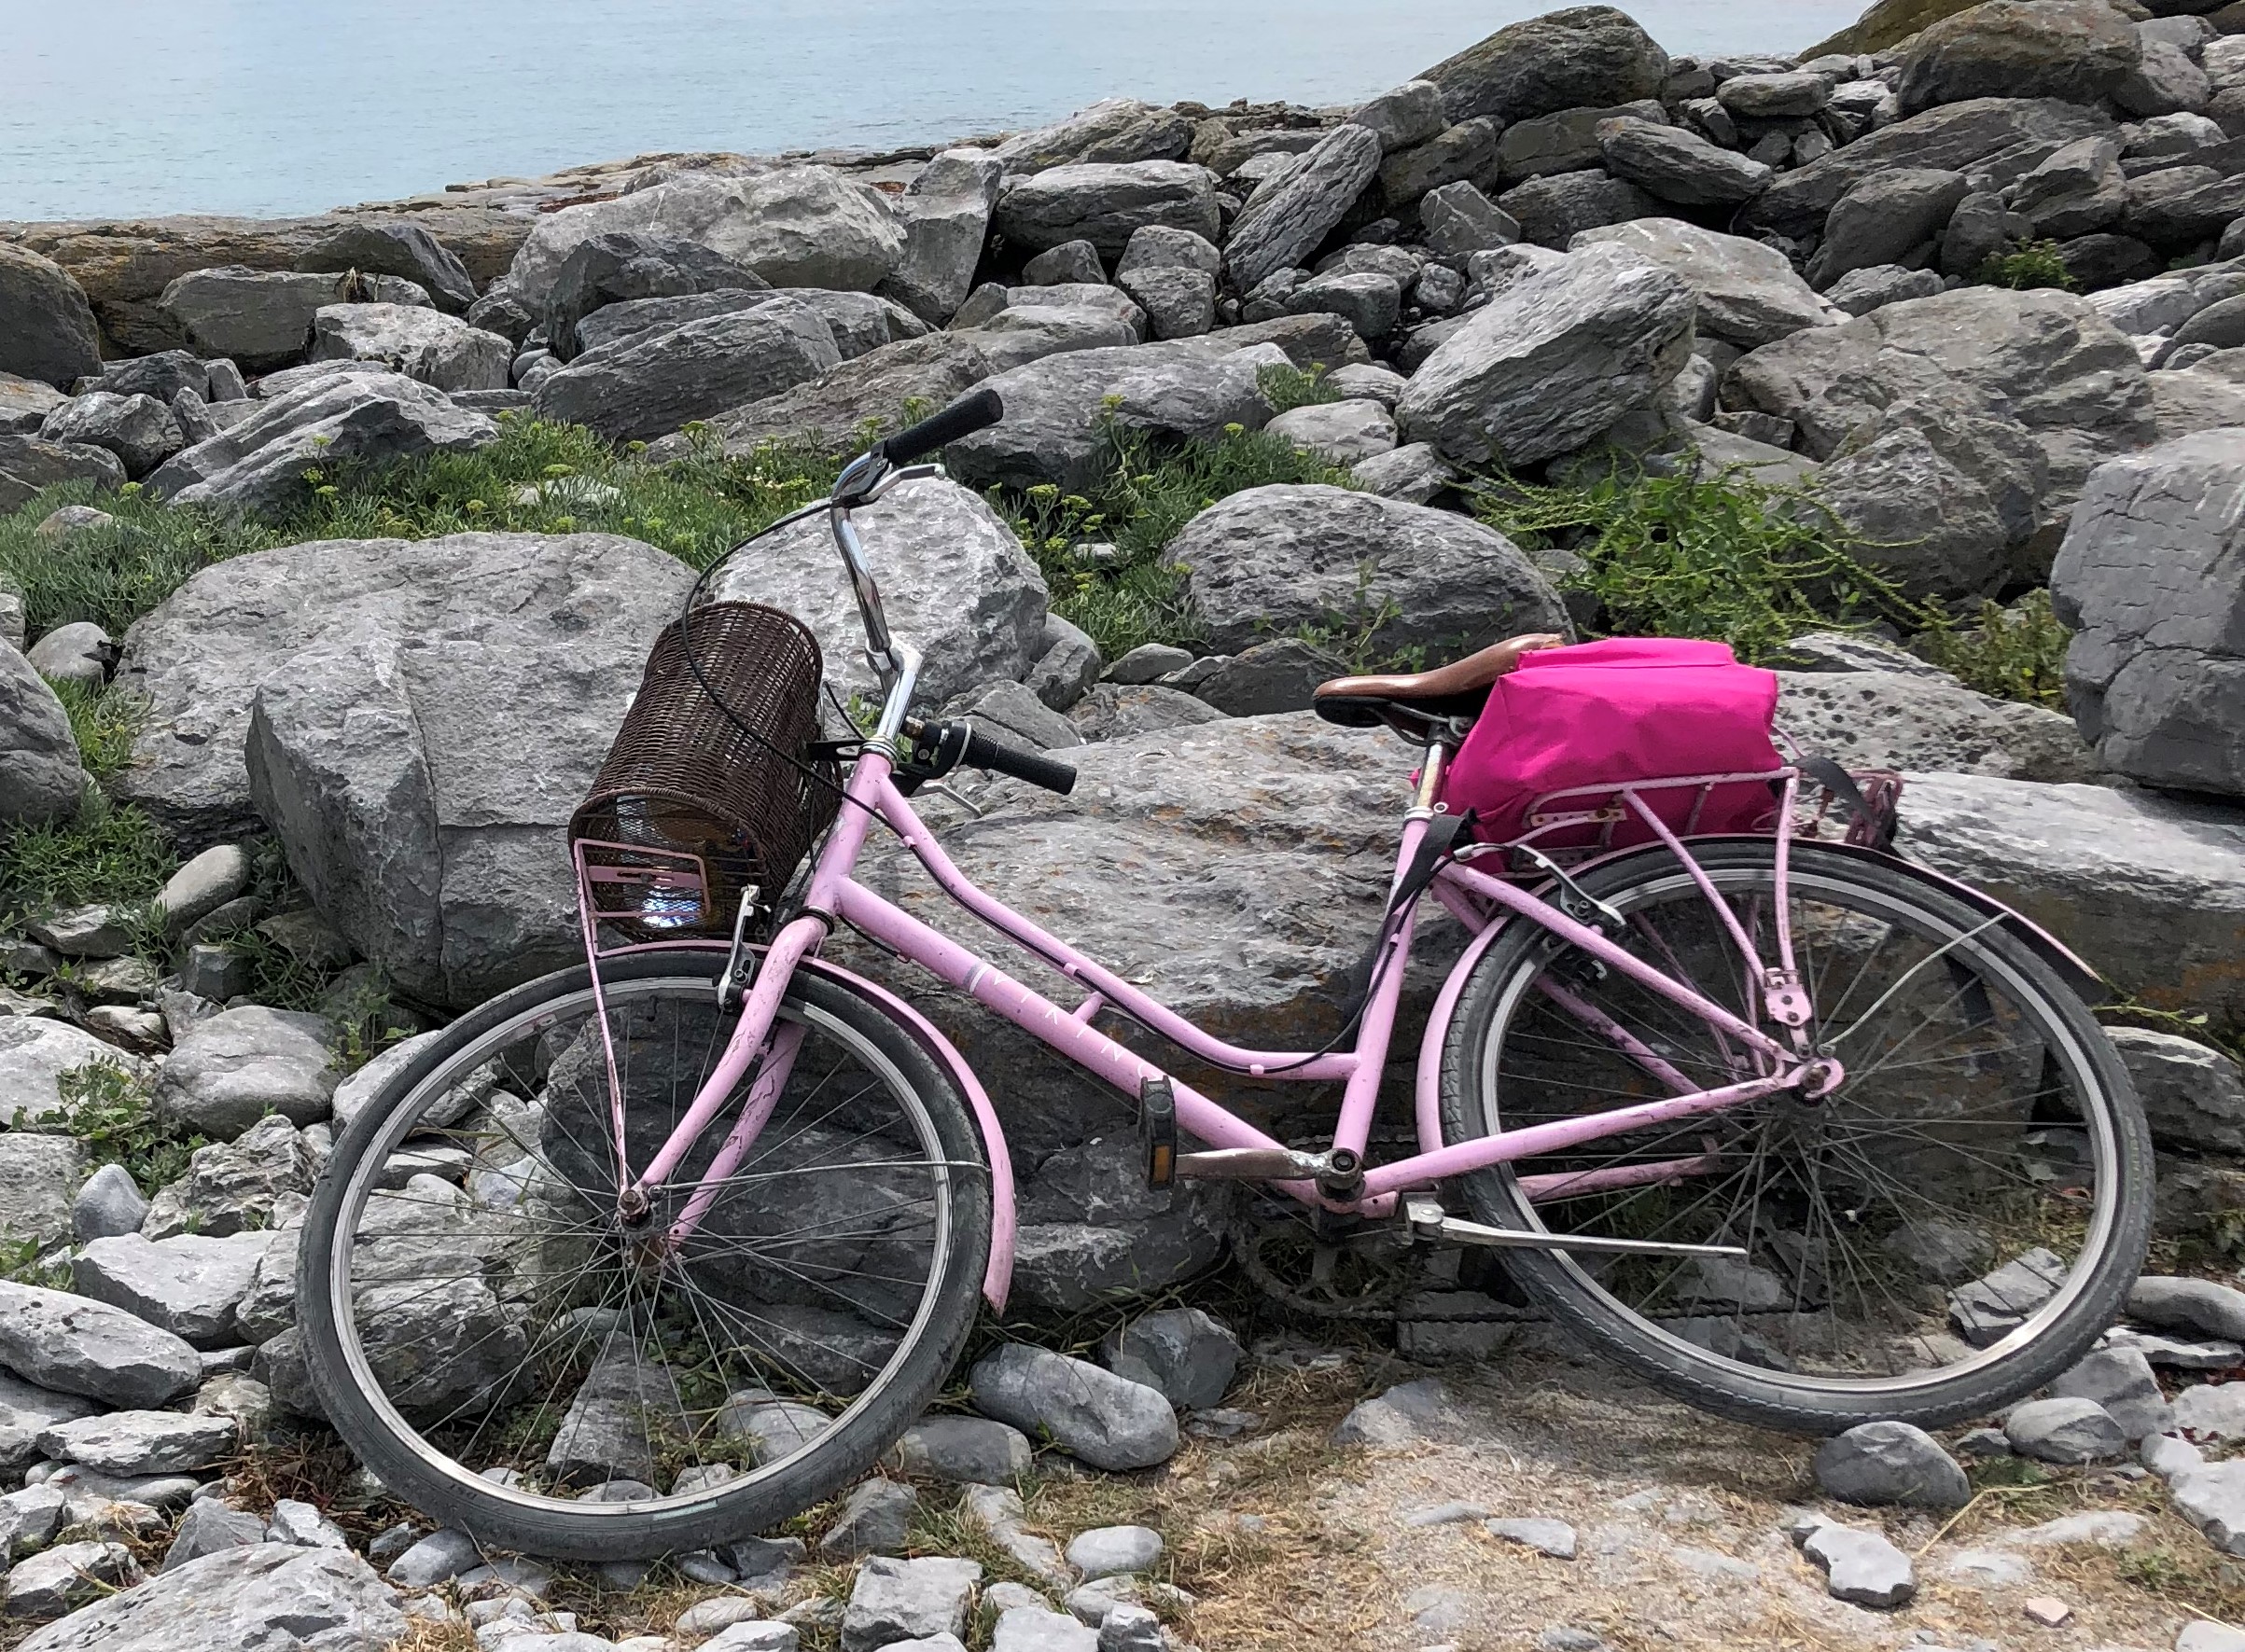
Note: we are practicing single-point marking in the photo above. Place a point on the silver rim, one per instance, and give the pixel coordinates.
(2076, 1073)
(399, 1125)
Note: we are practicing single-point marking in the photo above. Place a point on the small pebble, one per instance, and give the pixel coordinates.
(2047, 1610)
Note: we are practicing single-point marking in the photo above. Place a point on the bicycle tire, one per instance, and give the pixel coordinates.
(497, 1515)
(1787, 1401)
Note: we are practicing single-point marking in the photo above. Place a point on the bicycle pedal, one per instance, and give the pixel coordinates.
(1157, 1131)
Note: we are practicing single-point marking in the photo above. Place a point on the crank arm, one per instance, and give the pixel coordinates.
(1251, 1164)
(1429, 1222)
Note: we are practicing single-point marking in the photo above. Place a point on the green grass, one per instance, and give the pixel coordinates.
(2038, 264)
(103, 721)
(1287, 388)
(2014, 653)
(1724, 558)
(1148, 493)
(111, 853)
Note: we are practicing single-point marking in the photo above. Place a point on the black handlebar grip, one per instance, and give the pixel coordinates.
(984, 753)
(962, 417)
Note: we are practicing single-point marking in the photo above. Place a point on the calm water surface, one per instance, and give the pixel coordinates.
(116, 107)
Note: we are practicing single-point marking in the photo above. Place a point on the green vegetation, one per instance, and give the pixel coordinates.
(1287, 388)
(104, 722)
(2038, 264)
(1719, 557)
(2014, 653)
(110, 1112)
(1148, 493)
(110, 854)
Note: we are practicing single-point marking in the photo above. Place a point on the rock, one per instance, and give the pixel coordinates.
(1787, 93)
(1454, 155)
(793, 225)
(1553, 211)
(2079, 190)
(1888, 1464)
(1067, 664)
(1108, 1420)
(1280, 675)
(48, 334)
(2211, 1411)
(1159, 247)
(2197, 1305)
(1069, 261)
(896, 1600)
(301, 1525)
(1112, 712)
(1747, 293)
(2046, 359)
(257, 1596)
(71, 1345)
(1411, 113)
(262, 319)
(426, 345)
(27, 465)
(2181, 205)
(80, 652)
(1341, 432)
(1673, 164)
(1146, 662)
(1106, 1552)
(1285, 556)
(2193, 1096)
(1860, 291)
(2064, 1431)
(1372, 304)
(142, 1442)
(1112, 130)
(1883, 218)
(962, 1450)
(1181, 1353)
(235, 1188)
(40, 778)
(59, 1579)
(1057, 407)
(1555, 1538)
(998, 1512)
(829, 411)
(24, 404)
(1988, 1309)
(2077, 50)
(2165, 81)
(620, 1415)
(1878, 719)
(1131, 1629)
(1103, 204)
(138, 429)
(1291, 218)
(436, 1559)
(1587, 55)
(1861, 1566)
(210, 1527)
(2121, 1381)
(35, 1053)
(374, 417)
(243, 1064)
(398, 248)
(1179, 303)
(640, 388)
(1408, 1413)
(623, 267)
(1567, 141)
(1413, 474)
(2152, 671)
(26, 1412)
(108, 1205)
(875, 1518)
(1459, 221)
(187, 1285)
(978, 610)
(945, 215)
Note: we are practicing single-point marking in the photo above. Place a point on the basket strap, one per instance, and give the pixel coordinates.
(1879, 822)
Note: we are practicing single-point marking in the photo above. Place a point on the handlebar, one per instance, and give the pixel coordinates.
(962, 418)
(984, 753)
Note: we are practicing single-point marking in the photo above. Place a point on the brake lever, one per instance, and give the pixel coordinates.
(907, 473)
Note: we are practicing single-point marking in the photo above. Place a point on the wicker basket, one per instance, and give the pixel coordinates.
(688, 810)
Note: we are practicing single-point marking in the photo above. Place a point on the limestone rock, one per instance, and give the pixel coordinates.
(1103, 203)
(1673, 164)
(1553, 211)
(1589, 55)
(262, 319)
(255, 1596)
(1108, 1420)
(139, 429)
(188, 1285)
(2066, 1430)
(426, 345)
(2193, 1096)
(69, 1344)
(29, 463)
(1880, 719)
(235, 1186)
(1886, 219)
(1284, 226)
(1181, 1352)
(142, 1442)
(47, 328)
(40, 778)
(36, 1053)
(895, 1600)
(1119, 129)
(2077, 50)
(1748, 292)
(1890, 1464)
(243, 1064)
(639, 388)
(399, 248)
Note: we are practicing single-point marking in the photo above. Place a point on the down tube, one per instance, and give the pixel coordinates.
(1030, 1010)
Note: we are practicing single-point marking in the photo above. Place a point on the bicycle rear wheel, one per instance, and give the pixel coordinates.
(513, 1356)
(1949, 1230)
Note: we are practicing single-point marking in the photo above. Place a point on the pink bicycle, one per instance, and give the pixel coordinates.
(645, 1257)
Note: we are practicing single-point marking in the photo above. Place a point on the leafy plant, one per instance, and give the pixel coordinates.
(1722, 557)
(109, 852)
(2016, 653)
(110, 1112)
(2038, 264)
(105, 721)
(1286, 388)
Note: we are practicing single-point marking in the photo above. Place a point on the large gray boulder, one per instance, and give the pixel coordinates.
(40, 776)
(1553, 209)
(1092, 1232)
(2077, 50)
(72, 1345)
(418, 745)
(36, 1053)
(955, 582)
(1886, 219)
(2149, 889)
(374, 417)
(2046, 359)
(263, 1597)
(829, 412)
(1748, 293)
(1673, 164)
(1282, 558)
(1883, 719)
(2192, 1095)
(946, 211)
(621, 267)
(46, 329)
(139, 429)
(26, 1412)
(38, 1175)
(1554, 361)
(189, 1285)
(1117, 129)
(394, 247)
(231, 1069)
(426, 345)
(2148, 577)
(1110, 1421)
(1958, 137)
(794, 225)
(262, 319)
(1105, 203)
(531, 645)
(1056, 409)
(1288, 220)
(642, 387)
(2080, 189)
(31, 463)
(1587, 55)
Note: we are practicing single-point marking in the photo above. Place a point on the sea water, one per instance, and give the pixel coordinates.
(112, 108)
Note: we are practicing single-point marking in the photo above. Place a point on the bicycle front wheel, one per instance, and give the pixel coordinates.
(1949, 1230)
(513, 1355)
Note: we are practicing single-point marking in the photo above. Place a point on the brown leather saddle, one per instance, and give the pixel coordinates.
(1409, 703)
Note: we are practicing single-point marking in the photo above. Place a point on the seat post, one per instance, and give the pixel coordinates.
(1430, 775)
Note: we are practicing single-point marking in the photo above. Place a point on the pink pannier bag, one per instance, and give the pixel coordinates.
(1570, 728)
